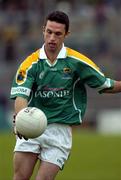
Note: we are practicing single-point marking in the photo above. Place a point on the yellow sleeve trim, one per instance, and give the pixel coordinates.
(76, 55)
(25, 66)
(29, 60)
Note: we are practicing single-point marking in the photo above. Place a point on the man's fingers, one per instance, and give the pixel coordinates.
(19, 135)
(25, 138)
(15, 131)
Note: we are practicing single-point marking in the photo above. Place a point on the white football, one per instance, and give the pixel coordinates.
(31, 122)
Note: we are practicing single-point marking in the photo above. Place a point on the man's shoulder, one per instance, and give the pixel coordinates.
(79, 57)
(75, 54)
(32, 58)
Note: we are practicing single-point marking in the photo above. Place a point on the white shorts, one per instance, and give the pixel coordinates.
(52, 146)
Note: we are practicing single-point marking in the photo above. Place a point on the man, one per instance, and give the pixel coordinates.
(53, 79)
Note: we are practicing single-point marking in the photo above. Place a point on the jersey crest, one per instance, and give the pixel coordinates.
(21, 76)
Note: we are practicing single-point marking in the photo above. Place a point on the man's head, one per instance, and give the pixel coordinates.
(59, 17)
(55, 30)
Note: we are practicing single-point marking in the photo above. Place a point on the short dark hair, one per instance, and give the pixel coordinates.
(59, 17)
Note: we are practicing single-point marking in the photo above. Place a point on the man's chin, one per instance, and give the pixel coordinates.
(52, 48)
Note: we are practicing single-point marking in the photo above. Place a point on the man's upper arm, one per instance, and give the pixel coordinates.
(94, 78)
(25, 77)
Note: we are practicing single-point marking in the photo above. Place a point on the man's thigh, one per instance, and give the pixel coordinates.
(24, 163)
(47, 171)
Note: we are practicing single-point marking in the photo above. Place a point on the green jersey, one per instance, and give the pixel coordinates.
(58, 89)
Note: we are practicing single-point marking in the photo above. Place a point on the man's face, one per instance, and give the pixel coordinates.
(54, 35)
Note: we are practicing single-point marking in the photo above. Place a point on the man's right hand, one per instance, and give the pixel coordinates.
(15, 131)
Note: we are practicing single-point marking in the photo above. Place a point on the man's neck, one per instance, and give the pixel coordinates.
(52, 56)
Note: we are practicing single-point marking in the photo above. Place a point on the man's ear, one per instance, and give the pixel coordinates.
(43, 29)
(67, 34)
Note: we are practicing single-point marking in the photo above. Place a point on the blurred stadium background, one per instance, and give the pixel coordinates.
(95, 32)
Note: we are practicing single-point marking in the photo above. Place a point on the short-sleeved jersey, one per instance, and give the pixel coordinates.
(58, 89)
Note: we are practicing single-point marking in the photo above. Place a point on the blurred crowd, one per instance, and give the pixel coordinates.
(95, 31)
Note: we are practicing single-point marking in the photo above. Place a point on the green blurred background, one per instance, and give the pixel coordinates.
(96, 32)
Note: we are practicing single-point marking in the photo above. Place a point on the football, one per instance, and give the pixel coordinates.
(31, 122)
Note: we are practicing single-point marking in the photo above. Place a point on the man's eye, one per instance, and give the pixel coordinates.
(49, 32)
(58, 34)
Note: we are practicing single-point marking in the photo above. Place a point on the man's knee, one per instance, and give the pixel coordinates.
(18, 175)
(47, 171)
(45, 177)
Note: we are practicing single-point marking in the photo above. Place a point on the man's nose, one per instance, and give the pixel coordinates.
(52, 37)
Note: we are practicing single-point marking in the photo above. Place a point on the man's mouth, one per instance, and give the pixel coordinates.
(52, 45)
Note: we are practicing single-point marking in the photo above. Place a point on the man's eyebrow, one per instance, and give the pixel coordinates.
(58, 32)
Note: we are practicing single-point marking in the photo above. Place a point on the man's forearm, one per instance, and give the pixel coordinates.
(116, 88)
(20, 103)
